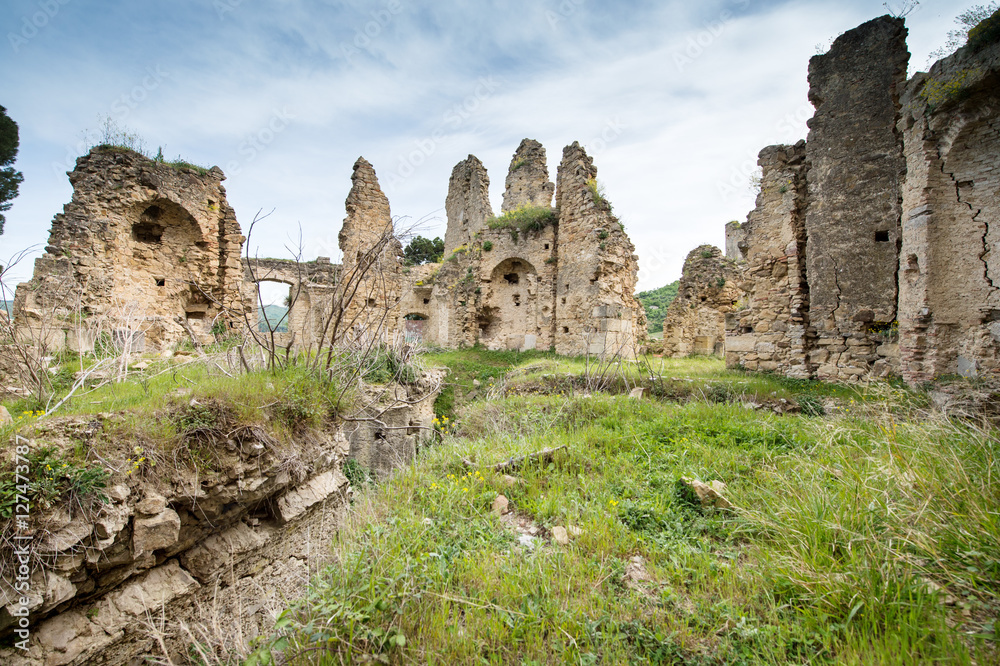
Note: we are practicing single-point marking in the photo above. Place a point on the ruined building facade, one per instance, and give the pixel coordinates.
(565, 280)
(871, 250)
(151, 254)
(143, 251)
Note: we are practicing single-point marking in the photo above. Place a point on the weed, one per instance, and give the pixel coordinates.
(524, 219)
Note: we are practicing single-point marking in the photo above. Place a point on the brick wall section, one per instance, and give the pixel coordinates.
(855, 179)
(950, 262)
(771, 331)
(141, 245)
(695, 322)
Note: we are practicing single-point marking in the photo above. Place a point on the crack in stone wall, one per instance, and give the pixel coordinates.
(916, 243)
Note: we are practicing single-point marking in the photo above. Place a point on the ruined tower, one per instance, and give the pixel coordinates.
(468, 203)
(596, 310)
(528, 178)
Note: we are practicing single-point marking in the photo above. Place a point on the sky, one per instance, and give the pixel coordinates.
(672, 99)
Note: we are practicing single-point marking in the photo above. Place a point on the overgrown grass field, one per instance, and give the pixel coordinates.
(867, 536)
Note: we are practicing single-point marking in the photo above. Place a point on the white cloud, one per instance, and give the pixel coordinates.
(665, 137)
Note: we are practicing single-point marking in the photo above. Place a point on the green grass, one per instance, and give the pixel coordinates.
(871, 536)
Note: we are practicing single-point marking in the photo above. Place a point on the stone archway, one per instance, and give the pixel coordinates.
(510, 312)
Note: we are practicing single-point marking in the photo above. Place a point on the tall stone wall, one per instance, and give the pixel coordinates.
(371, 281)
(856, 168)
(695, 322)
(596, 311)
(771, 332)
(566, 283)
(950, 261)
(144, 251)
(468, 203)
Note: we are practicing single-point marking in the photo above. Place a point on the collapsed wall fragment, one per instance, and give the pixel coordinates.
(146, 253)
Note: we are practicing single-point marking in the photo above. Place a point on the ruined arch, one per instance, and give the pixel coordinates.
(510, 314)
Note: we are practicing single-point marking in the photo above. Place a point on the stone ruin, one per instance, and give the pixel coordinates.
(144, 253)
(564, 282)
(695, 322)
(150, 254)
(872, 248)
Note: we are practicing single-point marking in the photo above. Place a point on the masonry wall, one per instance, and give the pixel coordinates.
(771, 331)
(371, 280)
(596, 311)
(507, 287)
(852, 221)
(695, 322)
(144, 251)
(950, 262)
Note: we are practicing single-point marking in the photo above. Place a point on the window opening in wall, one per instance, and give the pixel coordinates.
(564, 300)
(517, 300)
(565, 329)
(511, 278)
(160, 282)
(371, 302)
(426, 301)
(704, 298)
(546, 246)
(881, 236)
(148, 229)
(273, 306)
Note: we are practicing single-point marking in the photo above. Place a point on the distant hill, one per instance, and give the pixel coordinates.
(655, 302)
(275, 314)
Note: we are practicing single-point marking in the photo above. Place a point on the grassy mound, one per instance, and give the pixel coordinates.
(871, 535)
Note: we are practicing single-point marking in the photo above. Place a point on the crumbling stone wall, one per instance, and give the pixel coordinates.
(528, 178)
(311, 289)
(950, 261)
(506, 288)
(596, 311)
(889, 235)
(468, 203)
(370, 288)
(695, 322)
(143, 247)
(822, 244)
(771, 332)
(856, 167)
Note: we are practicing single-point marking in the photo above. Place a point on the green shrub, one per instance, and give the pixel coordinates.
(487, 246)
(985, 33)
(524, 219)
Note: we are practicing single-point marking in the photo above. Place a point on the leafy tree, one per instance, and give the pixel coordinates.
(423, 251)
(966, 21)
(10, 179)
(655, 303)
